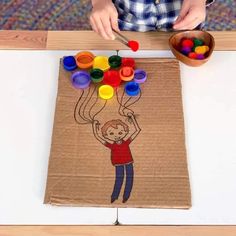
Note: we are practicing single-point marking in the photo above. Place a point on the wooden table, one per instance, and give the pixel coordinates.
(74, 40)
(57, 40)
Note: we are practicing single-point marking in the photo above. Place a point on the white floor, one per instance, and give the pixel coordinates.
(28, 86)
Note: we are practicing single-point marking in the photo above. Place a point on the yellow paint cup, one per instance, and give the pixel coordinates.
(106, 92)
(101, 62)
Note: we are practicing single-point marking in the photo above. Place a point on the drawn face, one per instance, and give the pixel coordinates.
(116, 134)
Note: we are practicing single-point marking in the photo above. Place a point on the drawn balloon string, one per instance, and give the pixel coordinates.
(87, 102)
(125, 104)
(86, 96)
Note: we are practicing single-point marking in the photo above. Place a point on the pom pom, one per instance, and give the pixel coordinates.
(200, 57)
(186, 50)
(192, 55)
(134, 45)
(187, 43)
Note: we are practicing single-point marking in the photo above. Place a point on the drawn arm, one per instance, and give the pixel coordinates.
(96, 134)
(136, 126)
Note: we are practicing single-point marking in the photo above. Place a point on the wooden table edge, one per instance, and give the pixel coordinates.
(88, 40)
(117, 230)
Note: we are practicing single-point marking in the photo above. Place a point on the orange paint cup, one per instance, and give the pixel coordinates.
(126, 73)
(84, 59)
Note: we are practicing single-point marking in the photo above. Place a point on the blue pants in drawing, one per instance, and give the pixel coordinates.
(128, 170)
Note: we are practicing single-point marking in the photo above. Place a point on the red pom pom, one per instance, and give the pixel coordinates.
(187, 43)
(134, 45)
(192, 55)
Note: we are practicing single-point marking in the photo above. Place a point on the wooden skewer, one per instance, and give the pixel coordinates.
(133, 45)
(122, 41)
(121, 38)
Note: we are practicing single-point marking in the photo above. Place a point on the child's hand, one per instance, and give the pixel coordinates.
(104, 18)
(130, 114)
(191, 15)
(127, 112)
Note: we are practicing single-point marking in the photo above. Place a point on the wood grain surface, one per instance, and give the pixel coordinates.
(88, 40)
(117, 230)
(23, 39)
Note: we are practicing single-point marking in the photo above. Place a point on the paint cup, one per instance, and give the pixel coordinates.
(101, 62)
(128, 62)
(112, 78)
(106, 92)
(96, 75)
(69, 63)
(140, 76)
(81, 79)
(132, 89)
(114, 61)
(126, 73)
(84, 59)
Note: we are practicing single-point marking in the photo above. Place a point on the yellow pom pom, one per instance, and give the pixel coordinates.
(201, 49)
(207, 48)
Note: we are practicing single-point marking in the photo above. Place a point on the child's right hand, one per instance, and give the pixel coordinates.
(104, 18)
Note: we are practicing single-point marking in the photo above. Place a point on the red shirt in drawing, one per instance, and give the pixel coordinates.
(120, 153)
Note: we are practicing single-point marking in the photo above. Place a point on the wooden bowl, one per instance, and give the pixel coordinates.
(176, 38)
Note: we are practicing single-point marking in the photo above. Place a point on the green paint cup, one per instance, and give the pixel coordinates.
(96, 75)
(114, 61)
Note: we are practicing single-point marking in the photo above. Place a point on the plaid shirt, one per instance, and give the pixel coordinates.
(147, 15)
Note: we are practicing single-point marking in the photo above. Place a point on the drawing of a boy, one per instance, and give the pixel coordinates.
(115, 137)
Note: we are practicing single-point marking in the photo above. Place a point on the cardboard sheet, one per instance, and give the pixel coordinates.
(123, 152)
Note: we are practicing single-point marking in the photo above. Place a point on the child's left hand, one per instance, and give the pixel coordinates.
(128, 112)
(96, 124)
(191, 15)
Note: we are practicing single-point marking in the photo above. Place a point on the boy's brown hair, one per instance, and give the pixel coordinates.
(114, 124)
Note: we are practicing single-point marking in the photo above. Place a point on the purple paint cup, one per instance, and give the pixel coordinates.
(81, 79)
(140, 76)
